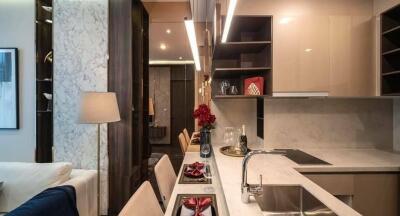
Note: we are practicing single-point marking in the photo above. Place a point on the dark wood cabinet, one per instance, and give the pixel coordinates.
(247, 53)
(390, 50)
(128, 141)
(44, 81)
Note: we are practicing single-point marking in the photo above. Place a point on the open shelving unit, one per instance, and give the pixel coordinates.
(44, 81)
(247, 53)
(390, 50)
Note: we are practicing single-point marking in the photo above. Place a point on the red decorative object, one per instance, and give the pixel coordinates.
(194, 170)
(198, 205)
(204, 116)
(254, 86)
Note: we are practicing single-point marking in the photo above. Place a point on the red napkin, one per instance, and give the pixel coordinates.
(198, 205)
(194, 170)
(197, 165)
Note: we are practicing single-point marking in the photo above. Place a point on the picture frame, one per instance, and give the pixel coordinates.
(9, 89)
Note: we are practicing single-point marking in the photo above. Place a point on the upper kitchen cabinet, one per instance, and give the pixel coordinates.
(390, 52)
(351, 56)
(319, 48)
(247, 54)
(323, 56)
(301, 55)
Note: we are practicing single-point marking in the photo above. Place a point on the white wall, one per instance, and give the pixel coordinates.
(17, 24)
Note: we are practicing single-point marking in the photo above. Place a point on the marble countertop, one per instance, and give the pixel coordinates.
(279, 170)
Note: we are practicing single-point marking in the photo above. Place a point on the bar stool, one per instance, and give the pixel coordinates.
(183, 143)
(143, 202)
(166, 179)
(187, 137)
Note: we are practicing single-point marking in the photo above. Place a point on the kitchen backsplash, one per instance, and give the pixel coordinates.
(234, 113)
(328, 123)
(396, 125)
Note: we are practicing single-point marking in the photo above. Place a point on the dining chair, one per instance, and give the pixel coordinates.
(187, 137)
(166, 178)
(142, 202)
(183, 143)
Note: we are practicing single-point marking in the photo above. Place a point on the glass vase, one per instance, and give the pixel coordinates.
(205, 143)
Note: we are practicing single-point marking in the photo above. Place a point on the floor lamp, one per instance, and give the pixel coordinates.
(98, 108)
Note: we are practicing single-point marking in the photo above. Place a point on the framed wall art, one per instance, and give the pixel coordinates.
(9, 104)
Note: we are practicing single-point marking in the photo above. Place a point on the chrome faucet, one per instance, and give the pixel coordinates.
(251, 189)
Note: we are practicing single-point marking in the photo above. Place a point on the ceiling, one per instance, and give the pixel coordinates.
(170, 14)
(177, 44)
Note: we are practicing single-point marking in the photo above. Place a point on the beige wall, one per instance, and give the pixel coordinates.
(160, 86)
(234, 113)
(328, 123)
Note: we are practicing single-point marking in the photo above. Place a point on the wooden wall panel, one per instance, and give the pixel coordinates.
(120, 81)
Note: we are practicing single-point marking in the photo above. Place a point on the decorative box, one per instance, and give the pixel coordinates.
(254, 86)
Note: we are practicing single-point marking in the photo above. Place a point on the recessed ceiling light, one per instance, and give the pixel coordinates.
(308, 50)
(163, 46)
(285, 20)
(191, 32)
(180, 57)
(168, 31)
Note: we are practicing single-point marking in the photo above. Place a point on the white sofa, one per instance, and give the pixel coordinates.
(22, 181)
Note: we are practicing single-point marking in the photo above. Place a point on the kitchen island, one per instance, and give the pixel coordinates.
(279, 170)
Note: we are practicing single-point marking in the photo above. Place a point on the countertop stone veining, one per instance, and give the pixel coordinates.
(279, 170)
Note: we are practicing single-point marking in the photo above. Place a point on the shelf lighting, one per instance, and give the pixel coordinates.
(228, 21)
(189, 24)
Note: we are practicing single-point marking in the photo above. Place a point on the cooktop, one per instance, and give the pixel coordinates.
(301, 157)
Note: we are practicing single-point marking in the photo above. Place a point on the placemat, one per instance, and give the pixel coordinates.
(186, 180)
(181, 197)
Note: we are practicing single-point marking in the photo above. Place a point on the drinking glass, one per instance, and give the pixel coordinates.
(229, 136)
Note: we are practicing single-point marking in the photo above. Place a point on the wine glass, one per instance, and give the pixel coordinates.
(229, 136)
(205, 149)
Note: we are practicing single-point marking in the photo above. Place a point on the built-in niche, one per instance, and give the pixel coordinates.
(44, 81)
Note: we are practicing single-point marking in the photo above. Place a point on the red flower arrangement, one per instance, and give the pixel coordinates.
(204, 116)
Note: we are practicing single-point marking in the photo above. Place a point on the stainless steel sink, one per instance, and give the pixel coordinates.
(290, 200)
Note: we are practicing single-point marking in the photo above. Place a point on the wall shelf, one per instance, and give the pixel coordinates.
(234, 49)
(393, 51)
(247, 53)
(390, 52)
(397, 28)
(44, 70)
(221, 73)
(390, 73)
(237, 96)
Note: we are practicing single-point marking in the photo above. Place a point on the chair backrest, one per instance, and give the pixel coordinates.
(143, 202)
(166, 178)
(182, 142)
(187, 137)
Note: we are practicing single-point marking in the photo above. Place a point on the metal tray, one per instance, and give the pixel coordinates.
(231, 151)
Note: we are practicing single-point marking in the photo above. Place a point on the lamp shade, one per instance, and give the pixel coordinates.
(151, 107)
(98, 107)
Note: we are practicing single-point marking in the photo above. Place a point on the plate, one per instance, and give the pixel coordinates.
(178, 213)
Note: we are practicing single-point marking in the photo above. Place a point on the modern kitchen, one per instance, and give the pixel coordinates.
(322, 137)
(200, 107)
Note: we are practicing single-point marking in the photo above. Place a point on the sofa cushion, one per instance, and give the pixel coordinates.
(22, 181)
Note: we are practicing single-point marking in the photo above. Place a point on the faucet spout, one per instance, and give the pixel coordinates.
(246, 189)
